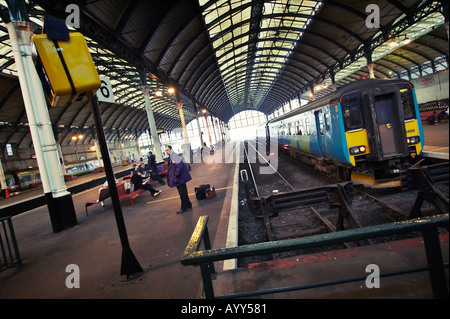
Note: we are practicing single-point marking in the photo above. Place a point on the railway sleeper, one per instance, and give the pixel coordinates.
(428, 191)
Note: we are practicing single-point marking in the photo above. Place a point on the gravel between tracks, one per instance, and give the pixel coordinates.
(302, 176)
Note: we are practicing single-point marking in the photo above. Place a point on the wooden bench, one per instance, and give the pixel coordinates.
(428, 117)
(431, 116)
(104, 194)
(123, 194)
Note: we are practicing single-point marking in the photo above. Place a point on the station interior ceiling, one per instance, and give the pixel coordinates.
(225, 56)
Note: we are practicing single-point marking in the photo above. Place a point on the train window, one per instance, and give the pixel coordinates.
(321, 126)
(383, 106)
(351, 109)
(308, 128)
(327, 121)
(407, 103)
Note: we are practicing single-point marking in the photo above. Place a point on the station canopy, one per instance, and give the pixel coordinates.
(225, 56)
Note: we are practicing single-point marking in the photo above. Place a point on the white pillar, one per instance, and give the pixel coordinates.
(152, 124)
(37, 112)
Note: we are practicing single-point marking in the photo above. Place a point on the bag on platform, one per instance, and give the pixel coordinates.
(200, 192)
(128, 186)
(210, 193)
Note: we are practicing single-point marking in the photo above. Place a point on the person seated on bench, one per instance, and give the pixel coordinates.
(154, 169)
(137, 180)
(442, 115)
(106, 185)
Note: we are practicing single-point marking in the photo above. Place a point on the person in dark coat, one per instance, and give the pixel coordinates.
(177, 176)
(154, 169)
(137, 180)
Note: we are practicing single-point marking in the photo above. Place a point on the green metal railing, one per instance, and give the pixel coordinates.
(428, 226)
(8, 245)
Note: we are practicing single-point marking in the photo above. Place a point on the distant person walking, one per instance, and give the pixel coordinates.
(177, 176)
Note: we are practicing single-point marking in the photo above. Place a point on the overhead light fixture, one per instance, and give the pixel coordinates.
(406, 40)
(158, 93)
(392, 43)
(204, 111)
(171, 90)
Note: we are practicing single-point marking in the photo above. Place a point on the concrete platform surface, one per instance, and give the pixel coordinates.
(157, 236)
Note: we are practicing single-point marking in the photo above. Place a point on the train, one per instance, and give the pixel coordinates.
(368, 131)
(29, 178)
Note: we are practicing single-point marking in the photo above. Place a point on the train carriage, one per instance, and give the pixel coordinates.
(367, 131)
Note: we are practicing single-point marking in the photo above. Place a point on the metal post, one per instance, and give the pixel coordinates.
(207, 269)
(207, 281)
(435, 264)
(130, 266)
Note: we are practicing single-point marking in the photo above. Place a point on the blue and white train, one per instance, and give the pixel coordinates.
(367, 131)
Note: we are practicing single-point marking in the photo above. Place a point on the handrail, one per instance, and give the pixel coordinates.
(428, 225)
(9, 252)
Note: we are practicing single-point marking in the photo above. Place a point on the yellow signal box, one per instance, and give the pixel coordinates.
(66, 69)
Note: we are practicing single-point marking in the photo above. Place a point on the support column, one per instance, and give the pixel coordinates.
(97, 152)
(213, 127)
(151, 121)
(313, 94)
(218, 132)
(139, 148)
(59, 200)
(371, 73)
(368, 56)
(2, 176)
(183, 122)
(207, 127)
(198, 125)
(333, 80)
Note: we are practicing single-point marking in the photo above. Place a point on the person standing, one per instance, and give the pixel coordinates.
(177, 176)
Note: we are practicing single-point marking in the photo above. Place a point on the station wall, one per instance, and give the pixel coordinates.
(432, 87)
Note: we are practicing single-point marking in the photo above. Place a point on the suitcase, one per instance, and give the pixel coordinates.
(210, 193)
(200, 192)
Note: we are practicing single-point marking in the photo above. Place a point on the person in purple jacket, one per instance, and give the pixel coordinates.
(177, 176)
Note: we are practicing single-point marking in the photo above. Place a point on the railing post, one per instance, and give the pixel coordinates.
(207, 280)
(435, 264)
(7, 257)
(207, 244)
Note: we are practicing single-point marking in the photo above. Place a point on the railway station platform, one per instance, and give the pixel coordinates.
(436, 140)
(158, 237)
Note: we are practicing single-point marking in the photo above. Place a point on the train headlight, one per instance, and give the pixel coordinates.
(357, 150)
(413, 140)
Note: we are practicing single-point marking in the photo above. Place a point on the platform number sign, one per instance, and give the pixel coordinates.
(105, 93)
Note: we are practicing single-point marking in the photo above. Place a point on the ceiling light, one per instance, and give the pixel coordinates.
(392, 42)
(171, 90)
(158, 93)
(406, 40)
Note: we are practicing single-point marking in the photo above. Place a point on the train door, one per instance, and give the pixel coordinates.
(386, 124)
(321, 132)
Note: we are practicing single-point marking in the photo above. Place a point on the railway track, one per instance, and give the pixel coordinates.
(297, 201)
